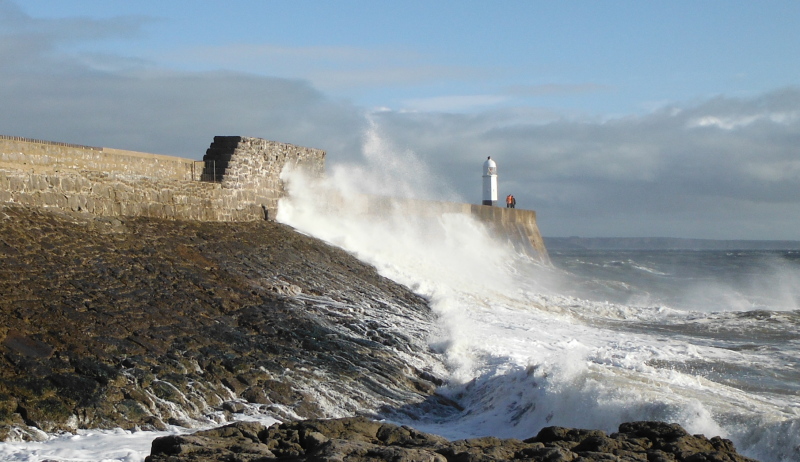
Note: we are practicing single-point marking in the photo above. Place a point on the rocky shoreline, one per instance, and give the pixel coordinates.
(360, 439)
(139, 323)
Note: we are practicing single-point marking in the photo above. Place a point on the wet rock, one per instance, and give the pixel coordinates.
(360, 439)
(234, 407)
(134, 322)
(17, 343)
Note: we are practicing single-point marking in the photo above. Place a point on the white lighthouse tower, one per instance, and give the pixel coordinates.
(489, 182)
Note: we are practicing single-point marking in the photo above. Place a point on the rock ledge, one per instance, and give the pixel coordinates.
(361, 439)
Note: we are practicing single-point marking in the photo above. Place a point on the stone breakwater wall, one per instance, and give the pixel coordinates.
(517, 225)
(39, 156)
(252, 166)
(237, 180)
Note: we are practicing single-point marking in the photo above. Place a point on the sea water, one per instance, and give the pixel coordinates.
(592, 339)
(705, 339)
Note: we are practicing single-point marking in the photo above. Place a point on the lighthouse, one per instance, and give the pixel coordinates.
(489, 182)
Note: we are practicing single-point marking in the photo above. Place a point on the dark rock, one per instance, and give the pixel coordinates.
(161, 321)
(653, 430)
(233, 407)
(256, 395)
(574, 435)
(393, 435)
(51, 414)
(359, 439)
(19, 344)
(596, 443)
(545, 454)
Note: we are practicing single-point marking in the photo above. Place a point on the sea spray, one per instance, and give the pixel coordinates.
(428, 254)
(530, 346)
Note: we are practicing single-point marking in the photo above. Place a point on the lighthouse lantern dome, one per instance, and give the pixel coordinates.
(489, 167)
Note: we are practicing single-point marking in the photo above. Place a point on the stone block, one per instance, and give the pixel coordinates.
(165, 196)
(152, 210)
(16, 183)
(101, 190)
(76, 202)
(27, 200)
(101, 207)
(36, 183)
(46, 198)
(63, 183)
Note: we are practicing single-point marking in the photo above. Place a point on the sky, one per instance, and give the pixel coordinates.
(610, 119)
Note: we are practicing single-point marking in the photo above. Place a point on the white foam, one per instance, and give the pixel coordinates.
(98, 445)
(88, 446)
(520, 355)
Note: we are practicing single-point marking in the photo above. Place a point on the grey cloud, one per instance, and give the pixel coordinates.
(175, 114)
(11, 14)
(15, 23)
(125, 103)
(656, 174)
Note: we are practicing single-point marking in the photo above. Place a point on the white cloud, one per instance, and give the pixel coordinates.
(738, 121)
(453, 103)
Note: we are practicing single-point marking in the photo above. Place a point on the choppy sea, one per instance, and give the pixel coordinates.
(706, 339)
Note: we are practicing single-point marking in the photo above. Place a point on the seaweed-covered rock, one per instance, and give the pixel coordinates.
(136, 322)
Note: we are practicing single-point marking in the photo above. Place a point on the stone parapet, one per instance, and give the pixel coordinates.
(115, 182)
(43, 156)
(517, 225)
(252, 166)
(101, 194)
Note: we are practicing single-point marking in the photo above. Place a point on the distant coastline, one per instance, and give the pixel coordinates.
(662, 243)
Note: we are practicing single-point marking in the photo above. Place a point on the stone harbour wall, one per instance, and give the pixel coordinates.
(50, 157)
(114, 182)
(237, 180)
(250, 167)
(519, 226)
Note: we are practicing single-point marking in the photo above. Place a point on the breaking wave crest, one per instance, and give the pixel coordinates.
(525, 350)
